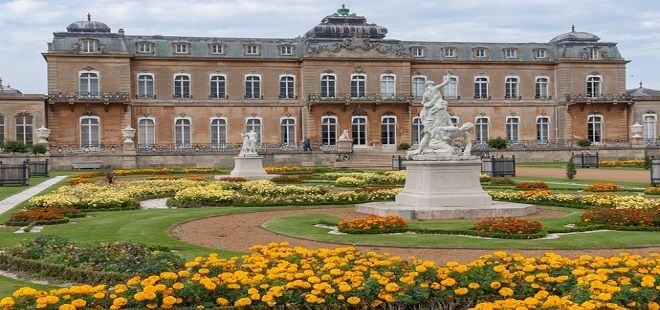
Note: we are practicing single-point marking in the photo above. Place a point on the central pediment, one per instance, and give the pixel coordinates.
(356, 47)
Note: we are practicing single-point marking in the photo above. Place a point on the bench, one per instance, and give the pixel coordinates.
(88, 165)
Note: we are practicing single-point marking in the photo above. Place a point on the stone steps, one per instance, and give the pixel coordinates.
(369, 159)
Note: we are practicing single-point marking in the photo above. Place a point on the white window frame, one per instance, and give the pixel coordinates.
(417, 52)
(181, 48)
(145, 48)
(88, 46)
(539, 138)
(390, 134)
(140, 131)
(211, 76)
(487, 87)
(480, 52)
(540, 53)
(153, 85)
(190, 92)
(3, 125)
(416, 90)
(26, 129)
(601, 128)
(649, 132)
(516, 84)
(512, 132)
(286, 50)
(600, 85)
(80, 136)
(291, 136)
(89, 92)
(366, 131)
(245, 80)
(217, 49)
(510, 53)
(226, 126)
(364, 81)
(252, 49)
(547, 87)
(334, 86)
(261, 127)
(417, 134)
(449, 52)
(293, 87)
(448, 89)
(477, 131)
(330, 137)
(183, 144)
(385, 93)
(594, 53)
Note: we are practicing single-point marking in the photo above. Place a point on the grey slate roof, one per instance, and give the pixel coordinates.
(644, 93)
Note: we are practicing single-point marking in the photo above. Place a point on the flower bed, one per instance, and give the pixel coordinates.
(201, 170)
(602, 187)
(647, 217)
(531, 185)
(654, 190)
(483, 177)
(43, 216)
(286, 179)
(342, 278)
(288, 170)
(205, 195)
(637, 163)
(349, 181)
(373, 224)
(387, 177)
(545, 197)
(508, 225)
(501, 181)
(143, 171)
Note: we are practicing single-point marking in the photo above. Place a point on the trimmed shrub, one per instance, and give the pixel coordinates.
(584, 143)
(498, 143)
(501, 181)
(532, 185)
(508, 225)
(602, 187)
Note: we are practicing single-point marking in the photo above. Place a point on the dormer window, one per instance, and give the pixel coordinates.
(480, 52)
(217, 49)
(510, 53)
(540, 53)
(417, 52)
(593, 53)
(88, 46)
(449, 52)
(181, 48)
(145, 48)
(252, 49)
(286, 50)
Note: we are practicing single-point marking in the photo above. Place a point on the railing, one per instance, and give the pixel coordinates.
(182, 96)
(38, 168)
(340, 98)
(264, 148)
(554, 144)
(499, 167)
(585, 160)
(81, 149)
(145, 96)
(600, 98)
(655, 171)
(122, 97)
(14, 174)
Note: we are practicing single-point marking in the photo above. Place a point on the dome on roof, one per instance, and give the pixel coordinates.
(344, 24)
(88, 25)
(8, 90)
(575, 36)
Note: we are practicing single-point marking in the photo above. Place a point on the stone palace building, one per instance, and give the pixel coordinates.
(342, 74)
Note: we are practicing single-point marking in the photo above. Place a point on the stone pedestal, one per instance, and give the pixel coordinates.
(445, 189)
(345, 146)
(250, 167)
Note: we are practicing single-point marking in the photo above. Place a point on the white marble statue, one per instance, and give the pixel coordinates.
(344, 136)
(249, 148)
(439, 132)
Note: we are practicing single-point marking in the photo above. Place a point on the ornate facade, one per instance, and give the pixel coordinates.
(342, 74)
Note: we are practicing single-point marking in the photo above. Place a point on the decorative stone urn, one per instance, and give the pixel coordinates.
(42, 134)
(128, 133)
(344, 143)
(636, 130)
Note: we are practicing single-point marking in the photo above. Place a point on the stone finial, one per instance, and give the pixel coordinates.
(640, 83)
(89, 17)
(572, 28)
(343, 11)
(128, 133)
(43, 134)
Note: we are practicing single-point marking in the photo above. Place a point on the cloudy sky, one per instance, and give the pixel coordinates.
(27, 25)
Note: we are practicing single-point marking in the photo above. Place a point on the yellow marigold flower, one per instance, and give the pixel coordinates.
(604, 296)
(242, 302)
(448, 282)
(420, 268)
(7, 302)
(66, 307)
(79, 303)
(506, 292)
(177, 286)
(353, 300)
(392, 287)
(653, 306)
(461, 291)
(474, 285)
(221, 301)
(495, 285)
(169, 300)
(99, 295)
(119, 302)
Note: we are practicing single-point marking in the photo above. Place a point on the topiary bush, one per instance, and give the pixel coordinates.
(403, 146)
(498, 143)
(584, 143)
(39, 149)
(13, 146)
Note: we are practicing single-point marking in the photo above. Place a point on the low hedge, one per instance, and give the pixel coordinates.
(44, 222)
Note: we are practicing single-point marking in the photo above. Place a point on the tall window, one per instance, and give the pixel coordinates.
(253, 87)
(146, 131)
(359, 130)
(541, 88)
(451, 89)
(387, 86)
(90, 131)
(593, 53)
(594, 86)
(481, 129)
(182, 86)
(595, 128)
(388, 130)
(329, 130)
(542, 129)
(288, 131)
(24, 128)
(88, 46)
(287, 86)
(417, 130)
(648, 126)
(89, 84)
(182, 132)
(512, 129)
(481, 87)
(511, 88)
(145, 86)
(2, 129)
(218, 131)
(218, 86)
(418, 86)
(358, 86)
(253, 123)
(328, 86)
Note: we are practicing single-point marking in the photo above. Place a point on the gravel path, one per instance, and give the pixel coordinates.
(11, 201)
(240, 231)
(598, 174)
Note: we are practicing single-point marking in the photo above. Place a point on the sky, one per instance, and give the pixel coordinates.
(27, 25)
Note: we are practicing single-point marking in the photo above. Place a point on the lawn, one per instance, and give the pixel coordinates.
(11, 189)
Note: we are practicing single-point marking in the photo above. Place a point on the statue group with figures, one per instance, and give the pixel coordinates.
(249, 148)
(439, 132)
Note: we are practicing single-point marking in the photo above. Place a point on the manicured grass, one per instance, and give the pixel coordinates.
(11, 189)
(9, 285)
(5, 216)
(302, 227)
(623, 185)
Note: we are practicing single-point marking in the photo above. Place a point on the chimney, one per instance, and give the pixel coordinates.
(120, 31)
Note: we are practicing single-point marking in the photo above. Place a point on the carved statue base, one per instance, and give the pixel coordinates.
(250, 168)
(446, 188)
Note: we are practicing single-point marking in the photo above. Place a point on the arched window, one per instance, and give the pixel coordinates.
(89, 84)
(252, 87)
(2, 128)
(254, 123)
(218, 86)
(358, 85)
(481, 87)
(541, 88)
(90, 131)
(328, 83)
(287, 83)
(648, 127)
(594, 86)
(24, 128)
(481, 129)
(387, 85)
(451, 89)
(288, 131)
(182, 132)
(542, 129)
(388, 130)
(511, 87)
(145, 85)
(218, 131)
(182, 86)
(595, 128)
(146, 131)
(418, 85)
(359, 130)
(417, 130)
(512, 128)
(329, 130)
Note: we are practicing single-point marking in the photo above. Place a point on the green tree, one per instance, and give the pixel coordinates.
(647, 162)
(498, 143)
(39, 149)
(13, 146)
(570, 169)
